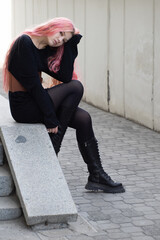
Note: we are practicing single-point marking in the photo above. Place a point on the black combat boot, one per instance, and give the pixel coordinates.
(98, 179)
(64, 116)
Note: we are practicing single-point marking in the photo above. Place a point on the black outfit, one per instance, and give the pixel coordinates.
(57, 106)
(25, 62)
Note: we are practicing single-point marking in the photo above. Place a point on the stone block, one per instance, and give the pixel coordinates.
(41, 187)
(5, 116)
(6, 181)
(9, 208)
(1, 154)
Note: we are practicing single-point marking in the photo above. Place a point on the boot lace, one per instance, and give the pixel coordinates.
(101, 170)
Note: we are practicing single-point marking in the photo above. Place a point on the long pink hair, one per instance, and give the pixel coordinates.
(49, 28)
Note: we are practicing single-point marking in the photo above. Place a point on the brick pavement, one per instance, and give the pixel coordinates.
(130, 153)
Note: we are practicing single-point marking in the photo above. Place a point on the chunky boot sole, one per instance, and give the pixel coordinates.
(107, 189)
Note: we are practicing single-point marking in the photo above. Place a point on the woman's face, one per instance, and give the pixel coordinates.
(59, 38)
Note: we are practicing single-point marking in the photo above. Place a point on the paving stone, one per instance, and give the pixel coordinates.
(120, 205)
(81, 200)
(133, 200)
(40, 183)
(143, 222)
(98, 215)
(131, 229)
(9, 208)
(100, 237)
(80, 237)
(132, 213)
(110, 225)
(120, 219)
(157, 222)
(100, 203)
(116, 230)
(82, 226)
(152, 216)
(89, 207)
(43, 237)
(119, 235)
(137, 234)
(153, 230)
(6, 181)
(143, 208)
(142, 195)
(16, 230)
(126, 225)
(156, 237)
(143, 238)
(152, 203)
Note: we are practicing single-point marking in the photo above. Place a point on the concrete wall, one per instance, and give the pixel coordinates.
(118, 55)
(5, 26)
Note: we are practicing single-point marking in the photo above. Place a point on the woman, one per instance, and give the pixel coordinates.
(52, 48)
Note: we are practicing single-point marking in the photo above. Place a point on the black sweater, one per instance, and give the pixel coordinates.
(25, 61)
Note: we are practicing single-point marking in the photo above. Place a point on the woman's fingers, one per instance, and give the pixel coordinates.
(52, 130)
(56, 130)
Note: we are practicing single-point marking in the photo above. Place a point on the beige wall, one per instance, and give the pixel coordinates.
(5, 26)
(134, 60)
(118, 54)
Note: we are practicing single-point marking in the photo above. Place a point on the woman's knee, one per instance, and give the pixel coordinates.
(84, 118)
(77, 87)
(87, 118)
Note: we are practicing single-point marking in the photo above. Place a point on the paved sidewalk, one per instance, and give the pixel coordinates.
(131, 154)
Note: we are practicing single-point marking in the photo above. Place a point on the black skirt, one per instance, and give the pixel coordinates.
(24, 109)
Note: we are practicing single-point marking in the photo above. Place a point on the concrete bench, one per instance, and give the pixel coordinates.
(6, 181)
(40, 184)
(1, 154)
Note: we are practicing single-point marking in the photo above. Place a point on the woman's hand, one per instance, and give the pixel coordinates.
(52, 130)
(75, 39)
(71, 45)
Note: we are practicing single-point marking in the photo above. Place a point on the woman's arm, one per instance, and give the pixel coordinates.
(67, 63)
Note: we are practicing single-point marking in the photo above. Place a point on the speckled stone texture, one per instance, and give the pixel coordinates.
(9, 208)
(1, 154)
(6, 181)
(39, 180)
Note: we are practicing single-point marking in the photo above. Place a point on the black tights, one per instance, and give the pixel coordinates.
(69, 95)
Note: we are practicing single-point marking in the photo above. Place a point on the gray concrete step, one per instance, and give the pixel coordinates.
(41, 186)
(1, 153)
(6, 181)
(9, 208)
(5, 116)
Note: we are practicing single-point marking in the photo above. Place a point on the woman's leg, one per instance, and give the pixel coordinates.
(82, 122)
(66, 98)
(66, 94)
(98, 179)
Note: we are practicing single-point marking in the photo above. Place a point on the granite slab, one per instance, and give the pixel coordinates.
(40, 183)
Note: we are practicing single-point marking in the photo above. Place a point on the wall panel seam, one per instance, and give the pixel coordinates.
(124, 35)
(108, 58)
(153, 71)
(85, 46)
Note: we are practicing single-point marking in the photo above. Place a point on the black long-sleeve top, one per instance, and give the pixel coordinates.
(25, 63)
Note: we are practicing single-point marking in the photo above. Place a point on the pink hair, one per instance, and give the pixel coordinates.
(46, 29)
